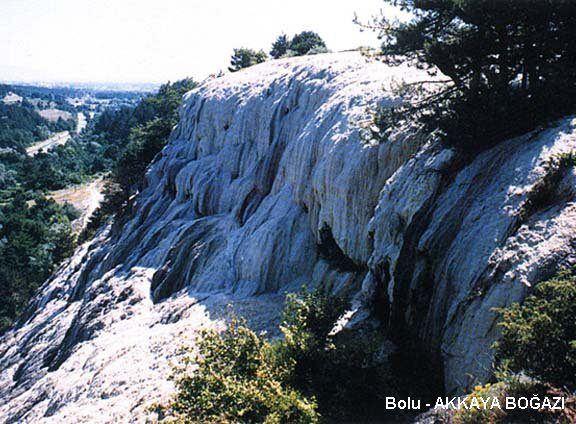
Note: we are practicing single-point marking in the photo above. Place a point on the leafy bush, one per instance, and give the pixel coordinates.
(514, 386)
(473, 415)
(539, 336)
(308, 374)
(340, 370)
(240, 378)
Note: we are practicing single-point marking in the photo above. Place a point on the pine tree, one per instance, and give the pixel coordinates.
(244, 58)
(306, 41)
(280, 46)
(510, 62)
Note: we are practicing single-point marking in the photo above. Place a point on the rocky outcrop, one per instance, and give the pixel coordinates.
(272, 180)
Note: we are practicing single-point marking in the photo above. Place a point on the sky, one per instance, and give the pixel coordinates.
(159, 40)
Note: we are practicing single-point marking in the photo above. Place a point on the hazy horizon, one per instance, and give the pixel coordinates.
(137, 42)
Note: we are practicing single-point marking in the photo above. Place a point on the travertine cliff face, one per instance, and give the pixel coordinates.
(271, 181)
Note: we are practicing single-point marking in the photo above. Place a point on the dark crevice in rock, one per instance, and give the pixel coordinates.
(199, 111)
(545, 192)
(75, 334)
(406, 318)
(269, 164)
(402, 318)
(331, 252)
(84, 277)
(17, 416)
(86, 323)
(381, 302)
(248, 206)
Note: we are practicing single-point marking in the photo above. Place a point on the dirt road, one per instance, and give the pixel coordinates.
(85, 197)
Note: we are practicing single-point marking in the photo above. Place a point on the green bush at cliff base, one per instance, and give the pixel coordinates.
(240, 378)
(539, 336)
(305, 377)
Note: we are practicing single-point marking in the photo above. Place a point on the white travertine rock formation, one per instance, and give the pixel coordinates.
(271, 181)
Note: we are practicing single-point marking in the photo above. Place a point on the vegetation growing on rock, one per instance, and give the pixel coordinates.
(535, 357)
(280, 46)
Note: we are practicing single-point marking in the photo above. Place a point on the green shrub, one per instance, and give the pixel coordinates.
(308, 374)
(536, 355)
(539, 336)
(305, 42)
(239, 379)
(280, 46)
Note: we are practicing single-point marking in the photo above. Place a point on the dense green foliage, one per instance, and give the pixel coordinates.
(244, 58)
(539, 336)
(306, 42)
(240, 378)
(514, 387)
(308, 375)
(509, 62)
(62, 166)
(35, 236)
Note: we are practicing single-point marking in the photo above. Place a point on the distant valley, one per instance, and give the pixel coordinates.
(56, 149)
